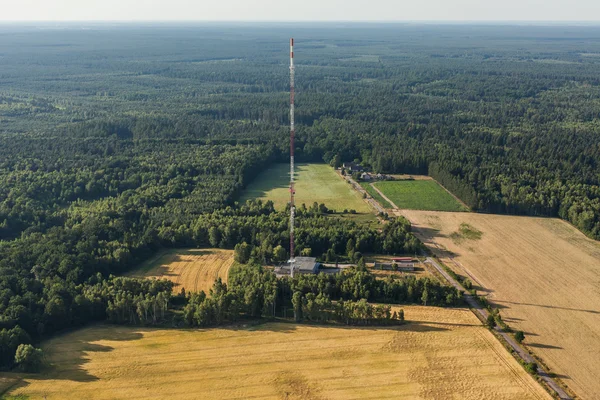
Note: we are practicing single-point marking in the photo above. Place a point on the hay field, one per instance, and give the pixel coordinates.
(443, 354)
(422, 194)
(193, 269)
(314, 182)
(542, 273)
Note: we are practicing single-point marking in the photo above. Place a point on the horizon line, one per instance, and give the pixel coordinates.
(374, 21)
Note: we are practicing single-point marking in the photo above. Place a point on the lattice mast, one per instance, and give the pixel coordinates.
(292, 135)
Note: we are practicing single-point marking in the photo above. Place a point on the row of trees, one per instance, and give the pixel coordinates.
(321, 309)
(343, 297)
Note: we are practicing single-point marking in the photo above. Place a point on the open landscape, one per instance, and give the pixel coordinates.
(133, 158)
(314, 182)
(193, 269)
(438, 354)
(419, 194)
(541, 273)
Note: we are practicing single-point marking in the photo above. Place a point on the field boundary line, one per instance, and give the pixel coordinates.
(384, 196)
(453, 195)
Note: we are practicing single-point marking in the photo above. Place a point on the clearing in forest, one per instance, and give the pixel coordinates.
(193, 269)
(542, 273)
(419, 194)
(440, 354)
(314, 182)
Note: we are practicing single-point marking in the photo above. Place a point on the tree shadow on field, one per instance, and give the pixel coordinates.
(290, 326)
(67, 354)
(558, 376)
(275, 177)
(428, 232)
(498, 303)
(543, 346)
(482, 289)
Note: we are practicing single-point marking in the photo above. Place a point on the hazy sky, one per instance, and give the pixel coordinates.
(313, 10)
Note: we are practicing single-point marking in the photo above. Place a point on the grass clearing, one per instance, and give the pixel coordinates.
(466, 232)
(193, 269)
(441, 354)
(419, 195)
(544, 276)
(314, 182)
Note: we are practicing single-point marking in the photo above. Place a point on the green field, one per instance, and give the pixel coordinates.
(373, 193)
(314, 182)
(420, 195)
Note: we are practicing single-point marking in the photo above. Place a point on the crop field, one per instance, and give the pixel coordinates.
(542, 273)
(314, 182)
(419, 194)
(441, 354)
(193, 269)
(374, 194)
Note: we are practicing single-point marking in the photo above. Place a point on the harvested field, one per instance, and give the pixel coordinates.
(194, 269)
(442, 354)
(314, 182)
(542, 273)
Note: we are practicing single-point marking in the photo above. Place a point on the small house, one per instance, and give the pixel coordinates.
(352, 167)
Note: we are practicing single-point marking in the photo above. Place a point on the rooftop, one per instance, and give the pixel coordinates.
(305, 263)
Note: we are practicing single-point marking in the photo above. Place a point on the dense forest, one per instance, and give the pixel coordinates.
(117, 140)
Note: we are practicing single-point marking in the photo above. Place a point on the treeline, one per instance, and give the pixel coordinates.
(40, 178)
(48, 280)
(117, 299)
(342, 297)
(506, 118)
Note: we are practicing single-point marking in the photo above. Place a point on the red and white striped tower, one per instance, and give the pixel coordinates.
(292, 134)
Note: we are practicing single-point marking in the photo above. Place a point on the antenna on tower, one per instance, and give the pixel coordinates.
(292, 134)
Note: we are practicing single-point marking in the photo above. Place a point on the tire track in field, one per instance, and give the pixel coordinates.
(513, 370)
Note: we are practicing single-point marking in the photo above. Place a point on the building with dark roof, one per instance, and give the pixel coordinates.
(302, 265)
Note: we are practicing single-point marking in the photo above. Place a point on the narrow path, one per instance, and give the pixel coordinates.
(394, 206)
(362, 191)
(483, 313)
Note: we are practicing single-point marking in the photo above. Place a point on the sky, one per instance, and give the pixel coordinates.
(305, 10)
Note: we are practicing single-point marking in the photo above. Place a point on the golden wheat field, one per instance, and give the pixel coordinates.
(441, 354)
(193, 269)
(542, 273)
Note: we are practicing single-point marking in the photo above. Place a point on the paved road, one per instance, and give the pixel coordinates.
(483, 313)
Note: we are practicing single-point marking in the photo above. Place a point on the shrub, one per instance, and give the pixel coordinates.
(29, 358)
(531, 367)
(519, 336)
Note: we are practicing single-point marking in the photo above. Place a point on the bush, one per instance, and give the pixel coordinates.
(519, 336)
(29, 358)
(491, 322)
(531, 367)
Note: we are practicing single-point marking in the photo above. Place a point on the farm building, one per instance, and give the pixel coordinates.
(365, 176)
(352, 167)
(406, 264)
(404, 267)
(403, 260)
(383, 266)
(303, 265)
